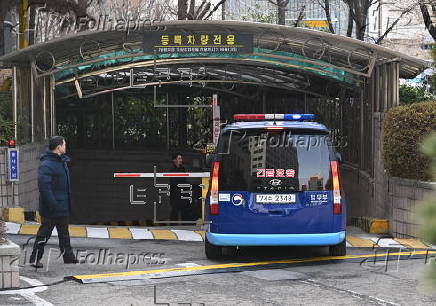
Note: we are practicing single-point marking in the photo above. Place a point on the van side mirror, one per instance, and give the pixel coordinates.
(339, 158)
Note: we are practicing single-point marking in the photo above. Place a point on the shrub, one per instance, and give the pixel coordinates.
(410, 94)
(427, 209)
(405, 127)
(6, 130)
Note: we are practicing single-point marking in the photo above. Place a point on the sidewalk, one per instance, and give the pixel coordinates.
(355, 236)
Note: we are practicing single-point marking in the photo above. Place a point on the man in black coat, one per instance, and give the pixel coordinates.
(54, 201)
(178, 205)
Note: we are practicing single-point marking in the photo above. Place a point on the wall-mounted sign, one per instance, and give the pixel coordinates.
(316, 23)
(193, 42)
(13, 164)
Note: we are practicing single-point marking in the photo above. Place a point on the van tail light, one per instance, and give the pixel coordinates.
(337, 205)
(213, 203)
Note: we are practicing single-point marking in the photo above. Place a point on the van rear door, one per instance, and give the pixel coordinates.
(273, 182)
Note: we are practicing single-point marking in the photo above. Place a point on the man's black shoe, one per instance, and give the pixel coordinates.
(70, 261)
(37, 265)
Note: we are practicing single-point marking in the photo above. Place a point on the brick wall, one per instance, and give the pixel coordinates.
(404, 196)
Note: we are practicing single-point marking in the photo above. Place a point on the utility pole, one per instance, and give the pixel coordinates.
(380, 18)
(23, 36)
(223, 11)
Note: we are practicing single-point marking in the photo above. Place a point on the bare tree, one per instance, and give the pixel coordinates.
(281, 10)
(301, 15)
(187, 9)
(5, 5)
(358, 11)
(428, 22)
(325, 4)
(404, 12)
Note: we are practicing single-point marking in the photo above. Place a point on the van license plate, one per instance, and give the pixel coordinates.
(275, 198)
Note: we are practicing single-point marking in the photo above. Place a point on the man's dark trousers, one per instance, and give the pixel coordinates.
(44, 234)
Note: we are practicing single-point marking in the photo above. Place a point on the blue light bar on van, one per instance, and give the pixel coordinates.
(288, 117)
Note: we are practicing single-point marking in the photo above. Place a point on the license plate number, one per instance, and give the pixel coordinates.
(275, 198)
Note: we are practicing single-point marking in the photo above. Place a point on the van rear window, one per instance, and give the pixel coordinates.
(258, 160)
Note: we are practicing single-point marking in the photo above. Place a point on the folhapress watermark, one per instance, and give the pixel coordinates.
(102, 256)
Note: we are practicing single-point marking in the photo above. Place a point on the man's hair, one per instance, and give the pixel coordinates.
(55, 141)
(174, 155)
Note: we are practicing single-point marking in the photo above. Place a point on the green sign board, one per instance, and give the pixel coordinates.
(194, 42)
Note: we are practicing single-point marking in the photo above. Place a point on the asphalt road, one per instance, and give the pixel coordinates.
(317, 282)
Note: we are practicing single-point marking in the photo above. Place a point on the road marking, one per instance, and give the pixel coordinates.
(187, 235)
(360, 242)
(29, 294)
(387, 243)
(97, 232)
(351, 292)
(54, 232)
(12, 228)
(188, 264)
(119, 233)
(412, 243)
(164, 234)
(91, 277)
(141, 233)
(29, 229)
(77, 231)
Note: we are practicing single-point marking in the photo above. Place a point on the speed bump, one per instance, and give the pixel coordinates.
(231, 267)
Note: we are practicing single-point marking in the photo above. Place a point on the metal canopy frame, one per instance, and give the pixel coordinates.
(281, 54)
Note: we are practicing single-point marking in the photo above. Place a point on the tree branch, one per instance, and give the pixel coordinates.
(408, 10)
(427, 20)
(327, 14)
(215, 8)
(300, 15)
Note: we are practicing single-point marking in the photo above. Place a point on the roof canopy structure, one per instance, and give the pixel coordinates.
(288, 58)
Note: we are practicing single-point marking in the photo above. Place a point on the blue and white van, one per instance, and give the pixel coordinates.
(275, 182)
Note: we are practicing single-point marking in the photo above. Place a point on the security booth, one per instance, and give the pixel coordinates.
(125, 102)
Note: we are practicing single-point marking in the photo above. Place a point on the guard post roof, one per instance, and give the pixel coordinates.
(283, 57)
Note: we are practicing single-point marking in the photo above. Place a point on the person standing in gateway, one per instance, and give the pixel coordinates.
(178, 205)
(54, 201)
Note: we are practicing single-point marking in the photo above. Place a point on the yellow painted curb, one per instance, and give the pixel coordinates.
(37, 217)
(164, 234)
(360, 242)
(13, 214)
(412, 243)
(77, 231)
(28, 229)
(378, 226)
(119, 233)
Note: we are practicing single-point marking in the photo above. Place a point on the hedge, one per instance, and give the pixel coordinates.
(404, 129)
